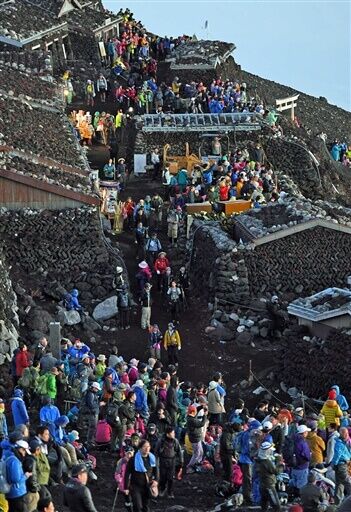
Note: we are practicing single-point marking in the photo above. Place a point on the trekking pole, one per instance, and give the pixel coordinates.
(115, 500)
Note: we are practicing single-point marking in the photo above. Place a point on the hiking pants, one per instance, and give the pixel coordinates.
(145, 317)
(166, 474)
(247, 481)
(172, 351)
(269, 496)
(342, 483)
(140, 498)
(17, 504)
(197, 455)
(226, 459)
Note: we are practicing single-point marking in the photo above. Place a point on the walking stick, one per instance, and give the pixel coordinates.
(115, 500)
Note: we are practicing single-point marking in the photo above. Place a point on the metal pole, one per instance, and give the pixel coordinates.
(115, 500)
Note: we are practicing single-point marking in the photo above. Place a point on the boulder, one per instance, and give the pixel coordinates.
(68, 317)
(221, 333)
(264, 332)
(106, 309)
(244, 338)
(234, 317)
(54, 290)
(38, 320)
(90, 324)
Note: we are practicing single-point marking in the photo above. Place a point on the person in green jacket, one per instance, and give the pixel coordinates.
(51, 387)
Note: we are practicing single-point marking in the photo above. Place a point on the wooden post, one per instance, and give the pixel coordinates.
(55, 339)
(250, 379)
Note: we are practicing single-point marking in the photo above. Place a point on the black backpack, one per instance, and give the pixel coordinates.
(288, 451)
(112, 416)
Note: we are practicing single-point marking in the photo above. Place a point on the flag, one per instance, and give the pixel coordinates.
(206, 24)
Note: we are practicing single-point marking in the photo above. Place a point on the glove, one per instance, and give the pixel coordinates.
(179, 348)
(158, 272)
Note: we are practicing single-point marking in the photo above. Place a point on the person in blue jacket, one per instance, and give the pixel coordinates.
(14, 456)
(78, 350)
(19, 409)
(247, 446)
(335, 151)
(141, 399)
(48, 414)
(341, 400)
(72, 302)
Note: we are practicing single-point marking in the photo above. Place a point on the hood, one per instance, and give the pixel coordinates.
(61, 421)
(310, 435)
(255, 425)
(331, 403)
(74, 293)
(337, 389)
(264, 454)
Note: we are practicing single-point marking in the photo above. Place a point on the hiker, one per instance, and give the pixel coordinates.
(331, 410)
(13, 456)
(194, 427)
(161, 264)
(267, 472)
(173, 221)
(124, 306)
(76, 495)
(141, 473)
(299, 472)
(19, 409)
(340, 462)
(153, 247)
(146, 303)
(169, 453)
(89, 412)
(174, 295)
(172, 343)
(215, 404)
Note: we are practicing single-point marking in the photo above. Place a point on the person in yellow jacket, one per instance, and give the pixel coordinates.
(331, 410)
(172, 343)
(316, 444)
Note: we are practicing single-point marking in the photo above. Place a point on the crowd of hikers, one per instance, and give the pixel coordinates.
(161, 430)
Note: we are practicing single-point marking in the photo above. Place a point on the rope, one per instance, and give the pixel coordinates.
(275, 396)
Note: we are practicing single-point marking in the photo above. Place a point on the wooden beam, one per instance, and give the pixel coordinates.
(48, 187)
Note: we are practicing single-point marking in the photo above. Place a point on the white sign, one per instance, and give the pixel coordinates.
(139, 163)
(102, 49)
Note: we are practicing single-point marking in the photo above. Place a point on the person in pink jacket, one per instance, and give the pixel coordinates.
(120, 472)
(103, 432)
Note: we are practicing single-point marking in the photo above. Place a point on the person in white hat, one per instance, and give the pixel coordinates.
(100, 366)
(215, 404)
(267, 472)
(89, 412)
(13, 458)
(302, 452)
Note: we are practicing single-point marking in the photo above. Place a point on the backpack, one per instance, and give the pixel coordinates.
(4, 484)
(112, 416)
(288, 451)
(41, 386)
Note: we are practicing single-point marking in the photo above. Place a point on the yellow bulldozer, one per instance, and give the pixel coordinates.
(188, 161)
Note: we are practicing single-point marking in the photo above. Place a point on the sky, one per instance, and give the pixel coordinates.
(303, 44)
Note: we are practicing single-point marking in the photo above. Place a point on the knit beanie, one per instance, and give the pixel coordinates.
(332, 394)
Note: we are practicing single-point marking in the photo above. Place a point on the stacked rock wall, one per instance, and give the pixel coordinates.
(8, 315)
(302, 263)
(217, 269)
(66, 246)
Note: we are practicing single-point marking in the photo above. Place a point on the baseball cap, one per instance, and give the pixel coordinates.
(78, 469)
(301, 429)
(21, 443)
(268, 425)
(96, 385)
(34, 444)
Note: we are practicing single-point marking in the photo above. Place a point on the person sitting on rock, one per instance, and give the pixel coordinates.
(71, 301)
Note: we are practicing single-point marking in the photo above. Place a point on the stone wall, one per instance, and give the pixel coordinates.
(303, 263)
(217, 269)
(65, 247)
(8, 313)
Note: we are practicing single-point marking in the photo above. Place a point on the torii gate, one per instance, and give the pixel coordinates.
(287, 103)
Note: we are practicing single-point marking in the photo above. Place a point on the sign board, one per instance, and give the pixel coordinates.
(102, 49)
(139, 163)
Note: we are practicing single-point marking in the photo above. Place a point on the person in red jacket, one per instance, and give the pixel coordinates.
(223, 191)
(161, 264)
(22, 360)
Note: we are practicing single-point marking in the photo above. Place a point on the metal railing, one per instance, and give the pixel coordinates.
(239, 121)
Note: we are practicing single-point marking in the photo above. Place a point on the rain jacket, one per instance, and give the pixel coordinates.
(342, 402)
(332, 412)
(19, 411)
(302, 452)
(342, 452)
(15, 474)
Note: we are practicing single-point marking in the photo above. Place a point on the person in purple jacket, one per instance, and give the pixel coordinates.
(299, 474)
